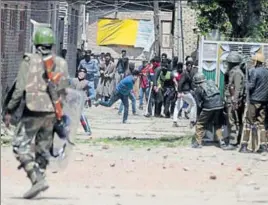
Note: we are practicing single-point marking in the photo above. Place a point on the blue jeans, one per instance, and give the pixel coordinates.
(133, 102)
(141, 95)
(96, 82)
(92, 91)
(116, 96)
(185, 105)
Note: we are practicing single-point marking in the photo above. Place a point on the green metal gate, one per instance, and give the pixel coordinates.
(212, 54)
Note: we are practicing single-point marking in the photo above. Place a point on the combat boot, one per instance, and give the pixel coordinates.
(244, 149)
(263, 148)
(39, 184)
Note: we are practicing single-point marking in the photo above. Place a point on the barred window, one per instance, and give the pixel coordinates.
(23, 19)
(4, 17)
(3, 30)
(13, 18)
(51, 13)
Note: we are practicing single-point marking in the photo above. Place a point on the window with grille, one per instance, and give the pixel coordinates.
(23, 19)
(3, 29)
(76, 26)
(13, 18)
(166, 28)
(51, 13)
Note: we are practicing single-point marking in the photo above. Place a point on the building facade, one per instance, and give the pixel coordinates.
(17, 28)
(168, 34)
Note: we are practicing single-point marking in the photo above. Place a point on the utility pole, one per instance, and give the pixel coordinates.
(156, 29)
(116, 2)
(180, 43)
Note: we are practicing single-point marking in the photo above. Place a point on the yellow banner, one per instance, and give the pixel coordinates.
(117, 32)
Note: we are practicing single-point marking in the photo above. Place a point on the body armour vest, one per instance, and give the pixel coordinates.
(37, 96)
(210, 88)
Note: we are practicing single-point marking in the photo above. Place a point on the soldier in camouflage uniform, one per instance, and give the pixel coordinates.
(210, 102)
(257, 87)
(39, 116)
(234, 94)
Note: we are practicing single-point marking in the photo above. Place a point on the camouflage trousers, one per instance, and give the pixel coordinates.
(254, 133)
(32, 142)
(205, 118)
(234, 124)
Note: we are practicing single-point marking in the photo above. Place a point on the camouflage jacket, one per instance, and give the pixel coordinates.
(32, 84)
(235, 82)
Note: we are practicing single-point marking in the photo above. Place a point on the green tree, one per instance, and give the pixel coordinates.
(234, 18)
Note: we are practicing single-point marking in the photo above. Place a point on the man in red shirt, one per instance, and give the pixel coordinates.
(144, 82)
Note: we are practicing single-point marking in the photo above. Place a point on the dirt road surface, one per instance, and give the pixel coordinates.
(123, 175)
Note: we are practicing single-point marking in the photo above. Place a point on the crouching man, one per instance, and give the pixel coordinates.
(210, 103)
(122, 92)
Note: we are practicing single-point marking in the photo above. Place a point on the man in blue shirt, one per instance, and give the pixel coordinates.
(92, 72)
(122, 92)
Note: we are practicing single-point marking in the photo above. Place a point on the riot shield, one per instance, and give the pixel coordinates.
(73, 103)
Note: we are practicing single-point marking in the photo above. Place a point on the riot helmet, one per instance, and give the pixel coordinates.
(199, 78)
(258, 59)
(44, 40)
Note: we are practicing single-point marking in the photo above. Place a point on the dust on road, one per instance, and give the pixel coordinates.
(114, 175)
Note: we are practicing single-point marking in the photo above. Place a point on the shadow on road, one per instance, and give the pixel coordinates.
(46, 198)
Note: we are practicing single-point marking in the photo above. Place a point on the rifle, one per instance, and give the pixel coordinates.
(245, 64)
(53, 79)
(63, 121)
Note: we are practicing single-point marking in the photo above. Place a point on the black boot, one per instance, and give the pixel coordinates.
(263, 148)
(244, 149)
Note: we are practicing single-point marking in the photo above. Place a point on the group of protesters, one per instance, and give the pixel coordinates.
(168, 88)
